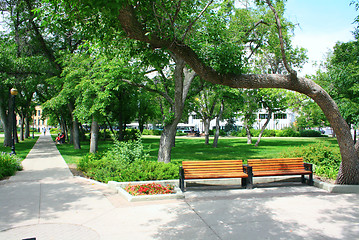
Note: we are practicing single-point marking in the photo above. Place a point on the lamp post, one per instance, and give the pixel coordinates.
(13, 93)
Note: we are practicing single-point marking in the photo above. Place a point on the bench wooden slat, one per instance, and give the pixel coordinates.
(279, 167)
(213, 169)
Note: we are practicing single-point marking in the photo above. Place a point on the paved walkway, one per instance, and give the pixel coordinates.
(45, 201)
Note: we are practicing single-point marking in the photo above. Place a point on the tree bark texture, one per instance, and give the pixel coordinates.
(263, 128)
(206, 123)
(94, 136)
(349, 169)
(183, 79)
(6, 124)
(218, 118)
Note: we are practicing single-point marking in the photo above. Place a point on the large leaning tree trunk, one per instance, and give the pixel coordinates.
(183, 79)
(349, 168)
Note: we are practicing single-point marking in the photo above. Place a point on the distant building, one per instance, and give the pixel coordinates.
(278, 121)
(38, 122)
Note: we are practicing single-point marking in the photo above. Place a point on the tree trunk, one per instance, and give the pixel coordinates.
(166, 141)
(7, 127)
(264, 127)
(206, 124)
(249, 135)
(27, 127)
(94, 136)
(21, 128)
(76, 134)
(216, 136)
(183, 79)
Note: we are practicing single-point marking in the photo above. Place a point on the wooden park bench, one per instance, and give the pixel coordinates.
(214, 170)
(281, 167)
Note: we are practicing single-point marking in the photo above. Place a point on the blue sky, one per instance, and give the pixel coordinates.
(322, 23)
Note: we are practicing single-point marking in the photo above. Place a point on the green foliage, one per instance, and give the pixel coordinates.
(325, 158)
(9, 165)
(287, 132)
(154, 132)
(126, 161)
(310, 133)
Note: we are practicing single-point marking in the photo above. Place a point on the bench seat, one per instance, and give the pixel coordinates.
(281, 167)
(214, 170)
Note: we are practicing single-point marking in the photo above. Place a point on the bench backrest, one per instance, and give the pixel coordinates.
(212, 167)
(276, 164)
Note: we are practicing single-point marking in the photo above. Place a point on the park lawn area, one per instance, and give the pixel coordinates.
(22, 148)
(194, 148)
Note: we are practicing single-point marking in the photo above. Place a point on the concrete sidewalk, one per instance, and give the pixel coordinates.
(45, 201)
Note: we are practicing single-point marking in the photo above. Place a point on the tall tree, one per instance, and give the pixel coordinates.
(173, 26)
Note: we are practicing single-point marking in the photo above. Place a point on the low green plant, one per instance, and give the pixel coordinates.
(310, 133)
(287, 132)
(126, 161)
(326, 159)
(154, 132)
(9, 165)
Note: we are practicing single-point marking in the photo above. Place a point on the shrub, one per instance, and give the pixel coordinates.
(155, 132)
(310, 133)
(126, 161)
(326, 159)
(9, 165)
(55, 131)
(287, 132)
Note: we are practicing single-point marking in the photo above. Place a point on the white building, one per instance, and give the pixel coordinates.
(278, 121)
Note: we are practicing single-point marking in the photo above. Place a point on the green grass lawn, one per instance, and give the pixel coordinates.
(22, 148)
(195, 149)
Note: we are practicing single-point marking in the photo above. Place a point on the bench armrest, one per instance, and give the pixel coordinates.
(308, 166)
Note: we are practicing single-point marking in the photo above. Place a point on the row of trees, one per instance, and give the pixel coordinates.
(150, 60)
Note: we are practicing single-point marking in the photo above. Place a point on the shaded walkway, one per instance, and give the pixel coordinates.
(45, 201)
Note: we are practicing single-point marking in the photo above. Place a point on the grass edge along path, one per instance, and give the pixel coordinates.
(22, 148)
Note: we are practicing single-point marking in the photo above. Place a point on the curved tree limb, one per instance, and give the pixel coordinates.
(280, 34)
(349, 170)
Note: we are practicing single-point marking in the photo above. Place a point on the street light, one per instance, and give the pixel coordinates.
(13, 93)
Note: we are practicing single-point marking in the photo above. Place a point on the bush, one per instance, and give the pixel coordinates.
(9, 165)
(54, 131)
(155, 132)
(126, 161)
(222, 133)
(310, 133)
(287, 132)
(326, 159)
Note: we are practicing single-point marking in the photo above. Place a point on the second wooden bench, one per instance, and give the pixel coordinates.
(281, 167)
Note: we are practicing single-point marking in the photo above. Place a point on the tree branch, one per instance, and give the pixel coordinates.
(289, 68)
(140, 85)
(195, 20)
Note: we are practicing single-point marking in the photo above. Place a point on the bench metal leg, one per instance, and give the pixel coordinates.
(181, 179)
(250, 178)
(310, 181)
(303, 179)
(244, 182)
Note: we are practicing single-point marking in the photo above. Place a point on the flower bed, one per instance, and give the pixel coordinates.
(122, 187)
(149, 189)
